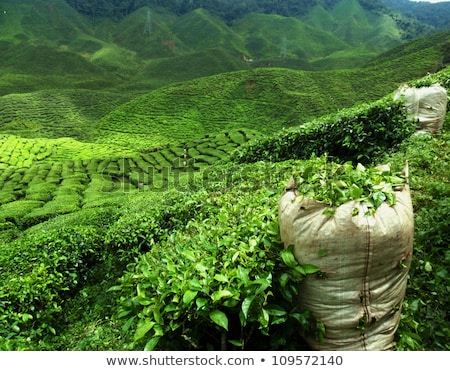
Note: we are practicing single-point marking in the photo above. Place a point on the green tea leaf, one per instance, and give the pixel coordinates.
(356, 192)
(189, 255)
(236, 343)
(26, 317)
(243, 275)
(152, 343)
(264, 318)
(219, 318)
(275, 310)
(195, 284)
(310, 269)
(378, 198)
(128, 324)
(115, 288)
(221, 278)
(288, 258)
(201, 303)
(188, 296)
(143, 328)
(284, 279)
(221, 294)
(143, 301)
(246, 304)
(329, 211)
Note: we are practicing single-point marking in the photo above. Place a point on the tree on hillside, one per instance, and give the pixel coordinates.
(372, 5)
(148, 24)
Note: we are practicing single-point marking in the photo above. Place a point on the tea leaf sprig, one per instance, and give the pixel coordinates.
(335, 184)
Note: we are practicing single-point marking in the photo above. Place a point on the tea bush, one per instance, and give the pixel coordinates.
(15, 211)
(38, 273)
(150, 218)
(359, 134)
(224, 281)
(425, 320)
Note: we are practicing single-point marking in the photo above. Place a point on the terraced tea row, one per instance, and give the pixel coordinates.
(55, 114)
(21, 152)
(154, 129)
(60, 185)
(263, 99)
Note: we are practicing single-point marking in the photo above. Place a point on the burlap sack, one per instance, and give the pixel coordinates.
(427, 104)
(364, 262)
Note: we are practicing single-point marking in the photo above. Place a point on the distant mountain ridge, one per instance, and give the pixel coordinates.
(48, 43)
(436, 15)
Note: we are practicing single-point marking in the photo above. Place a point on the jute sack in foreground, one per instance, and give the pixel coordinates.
(364, 260)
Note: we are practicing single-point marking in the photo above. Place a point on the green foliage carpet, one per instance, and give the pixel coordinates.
(127, 150)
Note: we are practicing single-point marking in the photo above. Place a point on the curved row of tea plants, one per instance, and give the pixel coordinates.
(359, 134)
(218, 226)
(43, 178)
(219, 261)
(67, 254)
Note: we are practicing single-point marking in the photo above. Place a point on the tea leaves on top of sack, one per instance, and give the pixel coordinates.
(336, 184)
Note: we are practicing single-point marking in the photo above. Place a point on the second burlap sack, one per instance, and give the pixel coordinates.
(427, 105)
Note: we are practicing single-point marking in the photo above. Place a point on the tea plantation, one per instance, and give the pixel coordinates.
(140, 180)
(177, 246)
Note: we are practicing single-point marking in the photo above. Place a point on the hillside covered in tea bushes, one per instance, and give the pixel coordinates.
(139, 179)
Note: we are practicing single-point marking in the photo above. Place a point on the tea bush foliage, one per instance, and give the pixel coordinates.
(222, 282)
(425, 319)
(39, 272)
(196, 262)
(359, 134)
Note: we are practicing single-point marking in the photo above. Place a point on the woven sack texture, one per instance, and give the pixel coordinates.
(364, 259)
(427, 104)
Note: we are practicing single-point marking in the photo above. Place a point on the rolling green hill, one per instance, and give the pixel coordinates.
(435, 47)
(48, 44)
(158, 41)
(265, 100)
(274, 37)
(56, 113)
(198, 30)
(355, 25)
(40, 21)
